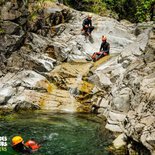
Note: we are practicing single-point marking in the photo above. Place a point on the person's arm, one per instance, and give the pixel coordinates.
(84, 23)
(27, 149)
(90, 23)
(101, 47)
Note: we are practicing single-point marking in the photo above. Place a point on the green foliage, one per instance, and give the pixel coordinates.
(132, 10)
(2, 2)
(143, 10)
(96, 6)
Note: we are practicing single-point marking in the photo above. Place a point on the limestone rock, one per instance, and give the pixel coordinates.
(113, 127)
(120, 141)
(116, 116)
(5, 94)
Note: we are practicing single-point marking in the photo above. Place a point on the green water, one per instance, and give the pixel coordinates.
(64, 134)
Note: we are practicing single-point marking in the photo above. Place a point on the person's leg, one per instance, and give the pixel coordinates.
(84, 30)
(102, 55)
(90, 29)
(95, 55)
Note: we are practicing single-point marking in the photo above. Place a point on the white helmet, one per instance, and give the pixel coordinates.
(89, 15)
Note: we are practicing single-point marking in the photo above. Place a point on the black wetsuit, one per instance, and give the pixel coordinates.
(105, 47)
(87, 22)
(22, 149)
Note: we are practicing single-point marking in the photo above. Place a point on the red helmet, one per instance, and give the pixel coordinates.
(104, 38)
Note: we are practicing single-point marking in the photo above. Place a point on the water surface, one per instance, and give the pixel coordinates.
(60, 133)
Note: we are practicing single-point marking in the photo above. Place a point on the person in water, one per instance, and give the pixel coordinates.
(29, 147)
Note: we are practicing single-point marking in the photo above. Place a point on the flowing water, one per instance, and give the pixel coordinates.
(60, 133)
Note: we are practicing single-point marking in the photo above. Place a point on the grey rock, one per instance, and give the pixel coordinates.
(25, 106)
(120, 141)
(10, 27)
(115, 116)
(113, 127)
(5, 94)
(10, 43)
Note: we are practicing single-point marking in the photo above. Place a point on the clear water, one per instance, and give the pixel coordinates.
(62, 134)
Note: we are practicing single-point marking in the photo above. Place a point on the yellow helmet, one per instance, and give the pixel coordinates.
(16, 140)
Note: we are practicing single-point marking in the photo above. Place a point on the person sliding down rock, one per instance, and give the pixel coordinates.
(87, 25)
(104, 50)
(27, 148)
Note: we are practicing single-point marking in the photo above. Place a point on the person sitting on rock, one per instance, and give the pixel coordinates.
(28, 148)
(87, 25)
(104, 50)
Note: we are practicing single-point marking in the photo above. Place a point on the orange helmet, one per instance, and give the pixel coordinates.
(32, 144)
(104, 38)
(16, 140)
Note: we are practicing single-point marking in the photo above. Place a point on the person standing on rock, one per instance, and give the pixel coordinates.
(87, 25)
(104, 49)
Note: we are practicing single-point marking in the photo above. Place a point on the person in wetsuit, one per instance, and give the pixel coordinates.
(19, 146)
(29, 147)
(104, 50)
(87, 25)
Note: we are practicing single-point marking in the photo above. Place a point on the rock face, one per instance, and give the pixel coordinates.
(25, 35)
(139, 122)
(128, 85)
(36, 37)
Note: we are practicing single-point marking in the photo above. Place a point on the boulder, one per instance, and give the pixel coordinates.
(113, 127)
(5, 94)
(10, 28)
(120, 141)
(25, 106)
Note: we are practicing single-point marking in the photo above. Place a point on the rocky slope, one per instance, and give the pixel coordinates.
(127, 84)
(41, 44)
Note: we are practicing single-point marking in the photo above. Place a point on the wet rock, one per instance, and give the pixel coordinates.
(25, 106)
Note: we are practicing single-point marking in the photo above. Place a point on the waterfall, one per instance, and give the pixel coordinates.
(74, 90)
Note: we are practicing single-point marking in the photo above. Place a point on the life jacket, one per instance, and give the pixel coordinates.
(32, 144)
